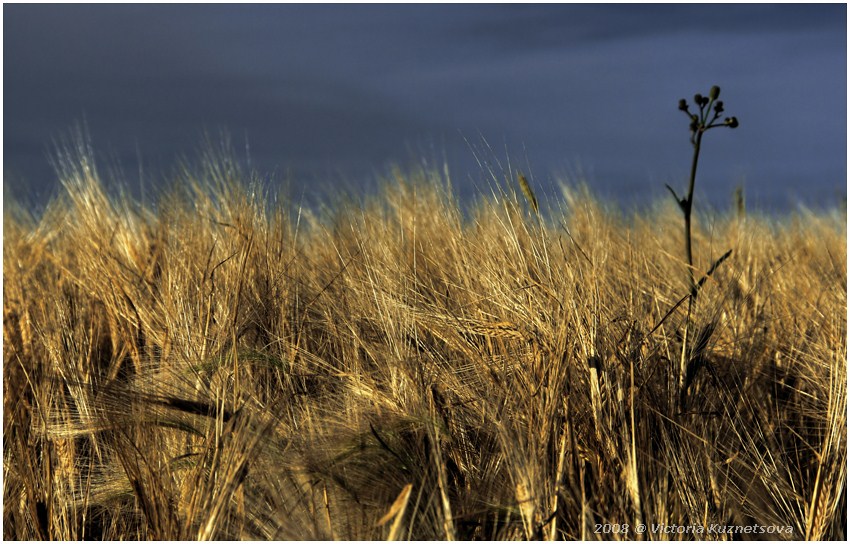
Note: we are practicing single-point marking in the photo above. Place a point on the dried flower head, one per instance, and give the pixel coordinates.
(714, 93)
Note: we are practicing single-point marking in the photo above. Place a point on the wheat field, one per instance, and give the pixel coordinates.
(226, 365)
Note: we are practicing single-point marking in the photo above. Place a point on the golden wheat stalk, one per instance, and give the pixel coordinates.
(526, 190)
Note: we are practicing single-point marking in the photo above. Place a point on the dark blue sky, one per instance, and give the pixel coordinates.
(340, 92)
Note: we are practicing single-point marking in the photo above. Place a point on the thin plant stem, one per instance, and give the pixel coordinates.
(687, 206)
(700, 123)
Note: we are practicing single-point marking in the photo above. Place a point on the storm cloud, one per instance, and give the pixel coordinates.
(318, 92)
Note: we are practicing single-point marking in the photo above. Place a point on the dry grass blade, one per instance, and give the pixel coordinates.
(396, 512)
